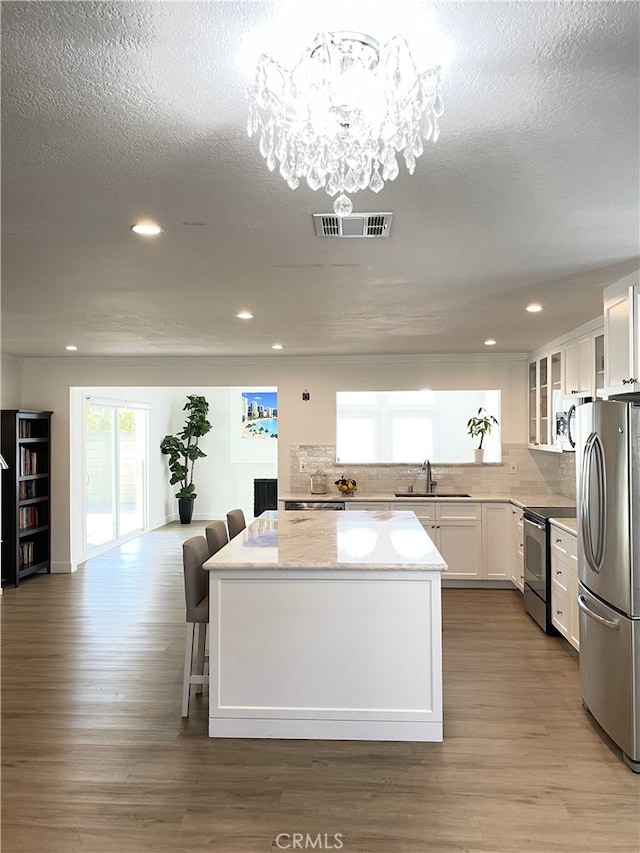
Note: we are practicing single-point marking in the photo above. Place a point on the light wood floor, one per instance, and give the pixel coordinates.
(97, 759)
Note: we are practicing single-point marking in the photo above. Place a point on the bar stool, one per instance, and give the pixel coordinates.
(196, 588)
(235, 522)
(217, 536)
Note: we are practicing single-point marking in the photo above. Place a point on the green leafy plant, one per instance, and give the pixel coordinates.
(481, 424)
(182, 449)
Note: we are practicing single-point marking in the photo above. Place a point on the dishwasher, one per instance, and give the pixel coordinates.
(314, 505)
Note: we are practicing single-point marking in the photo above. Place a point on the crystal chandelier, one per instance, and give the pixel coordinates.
(342, 115)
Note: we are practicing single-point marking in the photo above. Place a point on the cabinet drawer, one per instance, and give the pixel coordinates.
(425, 510)
(560, 610)
(462, 510)
(563, 544)
(560, 574)
(364, 505)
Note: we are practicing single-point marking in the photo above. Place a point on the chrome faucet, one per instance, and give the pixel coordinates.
(430, 482)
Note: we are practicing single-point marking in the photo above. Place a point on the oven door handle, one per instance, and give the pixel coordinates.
(608, 623)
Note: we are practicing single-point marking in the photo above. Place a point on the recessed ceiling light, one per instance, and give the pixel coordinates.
(490, 343)
(148, 229)
(244, 315)
(71, 348)
(277, 346)
(534, 308)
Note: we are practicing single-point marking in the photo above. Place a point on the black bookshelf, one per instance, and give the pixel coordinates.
(26, 494)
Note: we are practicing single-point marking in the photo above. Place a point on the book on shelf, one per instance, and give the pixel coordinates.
(25, 554)
(27, 491)
(27, 517)
(28, 462)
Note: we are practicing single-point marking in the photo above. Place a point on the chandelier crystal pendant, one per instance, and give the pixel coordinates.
(342, 115)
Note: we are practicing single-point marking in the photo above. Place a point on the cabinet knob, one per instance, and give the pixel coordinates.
(558, 612)
(558, 571)
(558, 540)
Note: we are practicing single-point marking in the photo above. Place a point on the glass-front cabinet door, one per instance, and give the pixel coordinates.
(545, 399)
(533, 402)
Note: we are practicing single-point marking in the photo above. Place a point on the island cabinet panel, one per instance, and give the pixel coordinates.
(327, 671)
(26, 494)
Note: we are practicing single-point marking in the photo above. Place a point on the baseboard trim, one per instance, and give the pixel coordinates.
(63, 568)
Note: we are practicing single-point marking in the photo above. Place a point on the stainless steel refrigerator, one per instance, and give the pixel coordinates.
(608, 512)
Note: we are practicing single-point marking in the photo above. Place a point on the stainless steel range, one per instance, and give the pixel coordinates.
(537, 561)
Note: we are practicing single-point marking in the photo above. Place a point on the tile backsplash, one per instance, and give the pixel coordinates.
(538, 472)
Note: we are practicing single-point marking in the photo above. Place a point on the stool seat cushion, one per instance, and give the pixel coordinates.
(201, 613)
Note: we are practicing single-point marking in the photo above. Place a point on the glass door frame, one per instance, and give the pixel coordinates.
(116, 405)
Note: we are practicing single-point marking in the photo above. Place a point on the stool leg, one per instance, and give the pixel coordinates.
(186, 679)
(202, 633)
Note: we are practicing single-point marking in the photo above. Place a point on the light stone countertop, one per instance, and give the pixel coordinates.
(365, 540)
(569, 525)
(519, 499)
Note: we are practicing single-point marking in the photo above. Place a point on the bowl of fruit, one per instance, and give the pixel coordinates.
(346, 485)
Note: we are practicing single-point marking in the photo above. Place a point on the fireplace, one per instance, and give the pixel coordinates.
(265, 495)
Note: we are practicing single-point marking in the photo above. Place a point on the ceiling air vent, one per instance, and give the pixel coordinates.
(354, 225)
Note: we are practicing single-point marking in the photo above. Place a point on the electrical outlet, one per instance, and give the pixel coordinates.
(513, 467)
(304, 466)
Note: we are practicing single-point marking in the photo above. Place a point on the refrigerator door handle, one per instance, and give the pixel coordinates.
(593, 453)
(608, 623)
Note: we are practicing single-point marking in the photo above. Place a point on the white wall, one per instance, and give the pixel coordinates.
(224, 479)
(46, 384)
(11, 389)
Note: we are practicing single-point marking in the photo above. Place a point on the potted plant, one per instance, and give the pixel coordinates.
(480, 425)
(182, 450)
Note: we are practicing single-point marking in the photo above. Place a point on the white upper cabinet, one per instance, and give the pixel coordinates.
(579, 363)
(622, 336)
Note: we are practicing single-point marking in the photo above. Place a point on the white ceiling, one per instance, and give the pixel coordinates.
(115, 112)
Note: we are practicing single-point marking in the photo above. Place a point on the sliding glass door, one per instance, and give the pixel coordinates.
(115, 453)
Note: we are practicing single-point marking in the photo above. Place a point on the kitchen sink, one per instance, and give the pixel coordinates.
(421, 495)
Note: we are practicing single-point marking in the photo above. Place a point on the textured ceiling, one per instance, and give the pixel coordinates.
(115, 112)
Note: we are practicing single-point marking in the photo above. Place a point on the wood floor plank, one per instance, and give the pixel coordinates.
(97, 759)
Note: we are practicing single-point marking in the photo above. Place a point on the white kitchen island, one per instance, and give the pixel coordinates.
(327, 625)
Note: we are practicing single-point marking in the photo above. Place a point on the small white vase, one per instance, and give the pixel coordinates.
(478, 455)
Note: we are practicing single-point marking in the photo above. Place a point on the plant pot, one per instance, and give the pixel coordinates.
(185, 509)
(478, 455)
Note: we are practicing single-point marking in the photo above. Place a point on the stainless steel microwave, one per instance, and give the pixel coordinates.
(564, 436)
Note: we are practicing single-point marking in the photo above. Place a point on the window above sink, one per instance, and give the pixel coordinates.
(407, 427)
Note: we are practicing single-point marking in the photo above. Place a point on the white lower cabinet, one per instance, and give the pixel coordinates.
(564, 584)
(517, 548)
(456, 531)
(496, 541)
